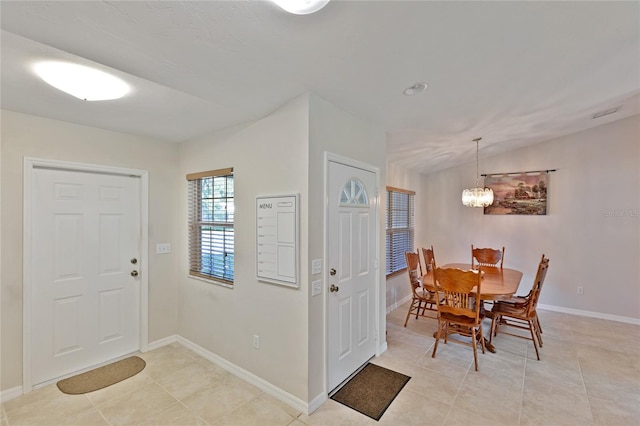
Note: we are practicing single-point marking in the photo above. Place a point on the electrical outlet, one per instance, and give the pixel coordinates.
(163, 248)
(316, 288)
(256, 341)
(580, 290)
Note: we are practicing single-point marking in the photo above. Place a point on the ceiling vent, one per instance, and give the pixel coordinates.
(606, 112)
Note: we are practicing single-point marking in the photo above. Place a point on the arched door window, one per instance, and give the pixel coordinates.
(354, 194)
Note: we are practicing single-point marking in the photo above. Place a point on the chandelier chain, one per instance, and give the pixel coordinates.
(477, 140)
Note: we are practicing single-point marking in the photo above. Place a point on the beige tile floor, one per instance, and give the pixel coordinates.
(589, 375)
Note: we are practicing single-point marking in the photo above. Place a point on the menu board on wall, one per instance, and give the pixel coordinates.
(277, 237)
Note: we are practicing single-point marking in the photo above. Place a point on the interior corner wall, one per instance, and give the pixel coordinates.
(591, 232)
(29, 136)
(269, 158)
(398, 289)
(336, 131)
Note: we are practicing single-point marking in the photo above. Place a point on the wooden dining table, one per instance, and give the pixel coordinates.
(497, 283)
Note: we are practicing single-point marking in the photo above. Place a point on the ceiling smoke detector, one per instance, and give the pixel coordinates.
(606, 112)
(415, 89)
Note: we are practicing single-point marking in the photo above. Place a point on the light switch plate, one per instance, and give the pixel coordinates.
(316, 266)
(316, 288)
(163, 248)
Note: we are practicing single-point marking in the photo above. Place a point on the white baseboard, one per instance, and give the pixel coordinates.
(317, 402)
(591, 314)
(8, 394)
(249, 377)
(383, 348)
(162, 342)
(398, 303)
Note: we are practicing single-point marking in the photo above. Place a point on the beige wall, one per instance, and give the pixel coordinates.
(338, 132)
(280, 154)
(589, 245)
(269, 157)
(24, 135)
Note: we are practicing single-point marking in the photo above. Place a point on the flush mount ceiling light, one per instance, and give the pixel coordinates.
(415, 89)
(477, 197)
(83, 82)
(301, 7)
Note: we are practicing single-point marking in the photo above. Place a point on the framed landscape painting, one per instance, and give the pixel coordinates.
(518, 193)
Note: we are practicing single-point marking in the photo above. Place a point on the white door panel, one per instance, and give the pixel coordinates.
(85, 304)
(351, 242)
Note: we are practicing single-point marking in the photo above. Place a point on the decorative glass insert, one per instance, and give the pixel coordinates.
(354, 194)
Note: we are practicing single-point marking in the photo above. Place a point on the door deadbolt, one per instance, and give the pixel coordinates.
(134, 261)
(334, 288)
(134, 273)
(332, 271)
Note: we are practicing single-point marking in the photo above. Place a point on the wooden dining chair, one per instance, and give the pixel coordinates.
(520, 312)
(429, 259)
(486, 257)
(422, 300)
(458, 293)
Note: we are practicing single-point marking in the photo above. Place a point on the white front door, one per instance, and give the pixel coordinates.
(85, 244)
(352, 221)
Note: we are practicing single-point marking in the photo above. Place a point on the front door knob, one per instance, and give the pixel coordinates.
(134, 273)
(334, 288)
(332, 271)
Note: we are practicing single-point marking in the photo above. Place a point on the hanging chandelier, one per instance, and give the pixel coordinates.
(477, 197)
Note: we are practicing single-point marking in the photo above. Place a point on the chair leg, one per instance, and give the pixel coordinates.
(409, 313)
(538, 322)
(481, 338)
(538, 330)
(435, 346)
(492, 330)
(533, 337)
(418, 309)
(475, 346)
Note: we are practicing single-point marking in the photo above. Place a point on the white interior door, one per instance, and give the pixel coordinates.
(85, 243)
(352, 222)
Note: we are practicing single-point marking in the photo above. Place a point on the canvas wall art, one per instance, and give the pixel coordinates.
(522, 193)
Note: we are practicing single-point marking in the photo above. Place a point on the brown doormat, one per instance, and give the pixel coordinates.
(103, 376)
(371, 390)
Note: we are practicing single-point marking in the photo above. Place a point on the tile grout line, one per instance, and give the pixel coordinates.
(524, 378)
(444, 421)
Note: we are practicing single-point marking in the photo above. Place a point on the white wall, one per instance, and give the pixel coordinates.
(589, 245)
(269, 157)
(23, 135)
(338, 132)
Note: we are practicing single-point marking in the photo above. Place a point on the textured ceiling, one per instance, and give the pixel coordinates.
(514, 73)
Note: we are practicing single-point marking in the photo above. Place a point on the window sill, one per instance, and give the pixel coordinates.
(396, 273)
(210, 281)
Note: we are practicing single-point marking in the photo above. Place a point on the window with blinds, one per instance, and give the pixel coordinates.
(211, 213)
(399, 228)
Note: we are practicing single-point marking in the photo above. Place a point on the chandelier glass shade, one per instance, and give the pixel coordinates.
(477, 197)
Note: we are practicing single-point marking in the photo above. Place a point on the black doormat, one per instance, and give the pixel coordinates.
(371, 390)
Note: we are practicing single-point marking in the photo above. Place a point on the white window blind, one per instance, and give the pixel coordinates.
(211, 218)
(399, 228)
